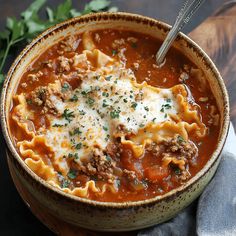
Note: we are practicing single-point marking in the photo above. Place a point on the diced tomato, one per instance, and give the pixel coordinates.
(156, 173)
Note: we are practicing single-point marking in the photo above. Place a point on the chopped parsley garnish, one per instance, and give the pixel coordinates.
(107, 138)
(177, 171)
(114, 52)
(70, 155)
(108, 78)
(153, 120)
(104, 104)
(180, 139)
(71, 133)
(125, 100)
(72, 174)
(94, 178)
(90, 101)
(77, 131)
(57, 125)
(68, 115)
(108, 158)
(81, 112)
(78, 146)
(141, 125)
(115, 114)
(29, 101)
(85, 93)
(134, 105)
(105, 128)
(105, 94)
(146, 108)
(97, 77)
(65, 183)
(168, 100)
(165, 106)
(65, 87)
(117, 183)
(74, 98)
(72, 141)
(97, 88)
(76, 156)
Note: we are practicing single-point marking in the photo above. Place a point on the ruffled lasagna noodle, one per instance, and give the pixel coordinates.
(96, 116)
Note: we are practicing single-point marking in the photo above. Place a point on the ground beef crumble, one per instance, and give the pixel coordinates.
(69, 44)
(183, 148)
(103, 165)
(100, 165)
(64, 64)
(184, 151)
(131, 175)
(35, 77)
(41, 97)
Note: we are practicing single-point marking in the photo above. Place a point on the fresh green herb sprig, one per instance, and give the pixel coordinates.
(72, 174)
(68, 115)
(18, 32)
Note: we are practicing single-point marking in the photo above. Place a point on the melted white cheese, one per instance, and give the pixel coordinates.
(100, 105)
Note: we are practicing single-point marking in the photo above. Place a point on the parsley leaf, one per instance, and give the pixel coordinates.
(115, 114)
(96, 5)
(108, 78)
(78, 146)
(105, 128)
(57, 125)
(74, 98)
(68, 115)
(180, 139)
(90, 101)
(18, 32)
(2, 77)
(77, 131)
(65, 183)
(72, 174)
(65, 87)
(134, 105)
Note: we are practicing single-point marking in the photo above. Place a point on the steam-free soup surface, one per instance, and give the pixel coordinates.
(94, 116)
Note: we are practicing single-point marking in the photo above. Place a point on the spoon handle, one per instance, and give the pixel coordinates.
(182, 19)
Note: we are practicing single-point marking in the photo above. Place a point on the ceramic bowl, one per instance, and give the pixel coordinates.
(106, 216)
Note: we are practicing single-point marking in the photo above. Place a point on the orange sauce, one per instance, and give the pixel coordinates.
(165, 77)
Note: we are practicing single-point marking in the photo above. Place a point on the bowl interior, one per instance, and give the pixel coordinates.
(123, 21)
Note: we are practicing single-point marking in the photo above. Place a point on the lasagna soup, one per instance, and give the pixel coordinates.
(94, 116)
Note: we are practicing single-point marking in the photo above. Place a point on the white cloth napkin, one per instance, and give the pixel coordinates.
(214, 213)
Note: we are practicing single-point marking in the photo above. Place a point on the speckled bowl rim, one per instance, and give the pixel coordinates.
(142, 20)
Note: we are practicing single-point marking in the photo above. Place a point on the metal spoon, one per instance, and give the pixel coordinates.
(185, 14)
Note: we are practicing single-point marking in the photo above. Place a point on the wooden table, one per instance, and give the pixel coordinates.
(213, 29)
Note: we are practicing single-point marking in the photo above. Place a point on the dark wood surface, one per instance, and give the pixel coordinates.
(214, 30)
(217, 36)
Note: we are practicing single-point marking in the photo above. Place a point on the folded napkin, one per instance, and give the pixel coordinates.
(214, 213)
